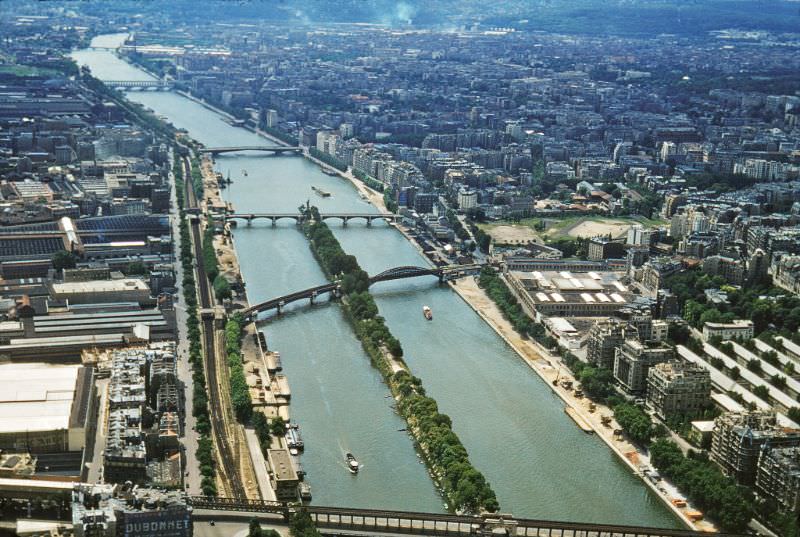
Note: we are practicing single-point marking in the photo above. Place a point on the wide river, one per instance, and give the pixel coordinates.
(539, 462)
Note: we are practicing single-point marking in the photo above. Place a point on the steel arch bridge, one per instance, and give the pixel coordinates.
(399, 273)
(446, 273)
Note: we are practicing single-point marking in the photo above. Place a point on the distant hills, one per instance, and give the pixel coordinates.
(631, 17)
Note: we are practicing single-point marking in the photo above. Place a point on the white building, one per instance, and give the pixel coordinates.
(467, 199)
(738, 329)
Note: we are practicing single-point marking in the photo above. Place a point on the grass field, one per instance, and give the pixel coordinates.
(571, 227)
(26, 70)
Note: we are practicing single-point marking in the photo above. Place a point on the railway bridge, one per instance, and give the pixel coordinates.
(277, 149)
(446, 273)
(376, 521)
(161, 85)
(299, 218)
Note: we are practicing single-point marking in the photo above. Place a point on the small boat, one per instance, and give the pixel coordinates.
(352, 463)
(426, 311)
(323, 193)
(305, 492)
(244, 172)
(363, 196)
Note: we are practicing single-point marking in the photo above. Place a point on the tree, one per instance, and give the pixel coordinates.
(762, 392)
(222, 289)
(63, 259)
(301, 525)
(278, 426)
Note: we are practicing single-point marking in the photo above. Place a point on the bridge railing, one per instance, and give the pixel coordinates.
(406, 522)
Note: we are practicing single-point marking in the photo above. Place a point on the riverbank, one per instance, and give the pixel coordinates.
(255, 362)
(549, 367)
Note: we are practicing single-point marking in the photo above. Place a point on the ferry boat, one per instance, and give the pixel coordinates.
(293, 438)
(352, 463)
(323, 193)
(426, 311)
(332, 173)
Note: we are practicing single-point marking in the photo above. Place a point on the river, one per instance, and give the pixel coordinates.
(540, 464)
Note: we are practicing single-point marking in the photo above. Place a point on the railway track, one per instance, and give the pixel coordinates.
(228, 462)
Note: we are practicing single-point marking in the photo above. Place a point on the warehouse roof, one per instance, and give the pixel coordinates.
(36, 397)
(101, 286)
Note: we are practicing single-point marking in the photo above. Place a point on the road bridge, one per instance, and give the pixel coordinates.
(372, 521)
(160, 85)
(450, 272)
(299, 218)
(277, 149)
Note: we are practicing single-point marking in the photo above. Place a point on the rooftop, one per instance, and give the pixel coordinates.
(36, 397)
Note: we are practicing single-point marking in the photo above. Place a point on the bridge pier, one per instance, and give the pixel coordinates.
(369, 222)
(274, 221)
(313, 296)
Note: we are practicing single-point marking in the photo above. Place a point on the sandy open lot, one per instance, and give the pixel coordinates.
(591, 228)
(512, 234)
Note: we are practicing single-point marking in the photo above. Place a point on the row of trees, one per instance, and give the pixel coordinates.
(240, 392)
(210, 262)
(330, 160)
(705, 485)
(367, 180)
(509, 306)
(464, 486)
(204, 453)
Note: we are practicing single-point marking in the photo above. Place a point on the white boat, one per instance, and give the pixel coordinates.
(352, 463)
(426, 311)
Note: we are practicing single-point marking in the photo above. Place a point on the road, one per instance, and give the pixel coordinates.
(95, 467)
(190, 436)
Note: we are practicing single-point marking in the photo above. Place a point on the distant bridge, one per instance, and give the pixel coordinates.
(299, 218)
(139, 84)
(379, 521)
(277, 149)
(450, 272)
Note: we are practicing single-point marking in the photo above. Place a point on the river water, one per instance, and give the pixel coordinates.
(539, 462)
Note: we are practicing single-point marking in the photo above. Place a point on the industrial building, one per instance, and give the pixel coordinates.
(564, 294)
(678, 388)
(46, 408)
(739, 437)
(103, 291)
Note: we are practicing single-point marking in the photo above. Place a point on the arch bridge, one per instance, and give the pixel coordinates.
(299, 218)
(445, 273)
(378, 521)
(277, 149)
